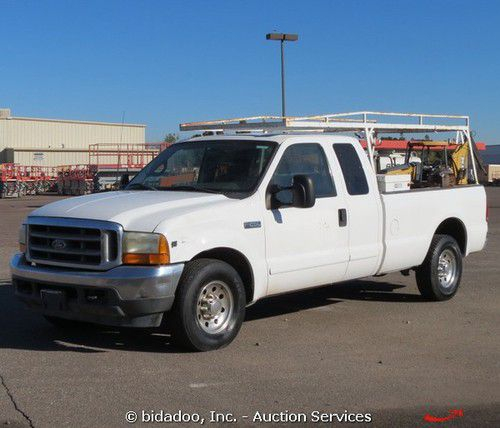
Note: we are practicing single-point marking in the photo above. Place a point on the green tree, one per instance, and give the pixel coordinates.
(171, 138)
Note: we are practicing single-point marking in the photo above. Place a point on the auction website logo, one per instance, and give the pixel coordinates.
(452, 414)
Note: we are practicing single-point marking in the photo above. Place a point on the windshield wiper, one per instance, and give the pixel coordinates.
(140, 186)
(191, 188)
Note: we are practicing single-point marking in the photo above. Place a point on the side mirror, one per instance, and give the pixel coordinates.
(303, 191)
(300, 194)
(124, 180)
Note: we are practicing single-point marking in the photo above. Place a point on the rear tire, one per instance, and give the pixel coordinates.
(438, 278)
(209, 307)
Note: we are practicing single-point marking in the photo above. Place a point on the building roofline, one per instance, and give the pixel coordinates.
(80, 122)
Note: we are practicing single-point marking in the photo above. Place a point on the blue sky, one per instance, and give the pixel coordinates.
(165, 62)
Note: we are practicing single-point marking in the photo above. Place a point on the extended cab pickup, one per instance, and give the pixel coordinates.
(215, 223)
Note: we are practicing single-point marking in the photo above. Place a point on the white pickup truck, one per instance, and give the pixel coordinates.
(216, 223)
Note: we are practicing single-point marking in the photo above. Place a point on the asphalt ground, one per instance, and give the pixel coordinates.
(371, 347)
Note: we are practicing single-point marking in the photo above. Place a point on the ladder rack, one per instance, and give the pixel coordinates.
(353, 121)
(370, 123)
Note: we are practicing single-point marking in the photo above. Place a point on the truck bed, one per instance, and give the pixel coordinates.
(412, 217)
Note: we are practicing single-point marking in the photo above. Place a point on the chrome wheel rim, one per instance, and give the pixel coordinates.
(214, 307)
(447, 269)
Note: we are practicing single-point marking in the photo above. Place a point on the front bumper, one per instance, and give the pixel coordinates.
(128, 296)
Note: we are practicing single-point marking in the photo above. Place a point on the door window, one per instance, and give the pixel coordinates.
(304, 159)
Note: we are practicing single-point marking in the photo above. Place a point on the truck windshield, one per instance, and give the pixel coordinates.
(221, 166)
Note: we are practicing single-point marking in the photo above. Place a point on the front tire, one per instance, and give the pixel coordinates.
(438, 278)
(209, 307)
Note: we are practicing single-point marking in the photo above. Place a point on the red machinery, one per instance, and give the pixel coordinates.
(20, 180)
(107, 162)
(37, 179)
(121, 157)
(75, 179)
(9, 180)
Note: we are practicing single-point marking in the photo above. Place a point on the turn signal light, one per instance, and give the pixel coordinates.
(146, 259)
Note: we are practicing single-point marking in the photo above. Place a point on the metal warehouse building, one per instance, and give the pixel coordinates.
(53, 142)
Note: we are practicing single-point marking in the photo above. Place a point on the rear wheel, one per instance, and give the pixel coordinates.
(438, 278)
(209, 307)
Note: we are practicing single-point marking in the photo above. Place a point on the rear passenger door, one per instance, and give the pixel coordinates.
(305, 247)
(363, 210)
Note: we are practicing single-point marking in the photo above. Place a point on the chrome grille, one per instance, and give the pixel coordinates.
(74, 243)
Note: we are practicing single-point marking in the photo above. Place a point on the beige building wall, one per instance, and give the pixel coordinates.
(51, 158)
(74, 157)
(54, 142)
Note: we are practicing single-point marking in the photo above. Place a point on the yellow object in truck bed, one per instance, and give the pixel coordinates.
(399, 170)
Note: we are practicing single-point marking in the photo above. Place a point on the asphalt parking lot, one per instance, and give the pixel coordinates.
(371, 346)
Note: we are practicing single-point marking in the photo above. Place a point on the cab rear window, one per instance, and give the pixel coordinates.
(352, 169)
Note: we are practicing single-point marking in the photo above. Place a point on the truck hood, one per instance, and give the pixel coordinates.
(140, 210)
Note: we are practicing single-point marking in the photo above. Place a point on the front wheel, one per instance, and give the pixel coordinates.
(209, 307)
(439, 276)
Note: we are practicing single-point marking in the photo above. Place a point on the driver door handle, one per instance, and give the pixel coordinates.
(342, 217)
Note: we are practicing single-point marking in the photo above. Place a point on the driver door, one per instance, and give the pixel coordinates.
(305, 247)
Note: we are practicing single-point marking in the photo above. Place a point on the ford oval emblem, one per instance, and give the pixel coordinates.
(58, 244)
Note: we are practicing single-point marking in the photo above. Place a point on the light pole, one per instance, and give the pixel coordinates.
(282, 37)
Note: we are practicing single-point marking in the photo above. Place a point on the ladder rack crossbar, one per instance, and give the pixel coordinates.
(335, 122)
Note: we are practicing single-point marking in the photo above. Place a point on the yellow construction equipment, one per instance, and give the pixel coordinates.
(460, 159)
(441, 164)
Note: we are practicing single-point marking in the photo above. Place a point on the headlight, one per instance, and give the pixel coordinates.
(145, 249)
(22, 238)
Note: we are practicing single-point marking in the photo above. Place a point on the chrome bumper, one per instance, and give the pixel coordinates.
(126, 295)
